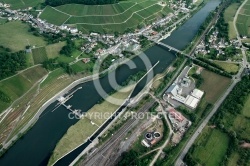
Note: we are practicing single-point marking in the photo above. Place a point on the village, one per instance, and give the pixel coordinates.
(114, 44)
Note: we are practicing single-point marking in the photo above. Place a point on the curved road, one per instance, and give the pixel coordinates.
(180, 158)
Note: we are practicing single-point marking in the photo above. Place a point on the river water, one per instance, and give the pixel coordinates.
(36, 146)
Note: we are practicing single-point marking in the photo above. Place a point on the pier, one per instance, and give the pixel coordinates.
(62, 100)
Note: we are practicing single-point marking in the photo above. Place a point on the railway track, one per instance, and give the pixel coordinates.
(102, 154)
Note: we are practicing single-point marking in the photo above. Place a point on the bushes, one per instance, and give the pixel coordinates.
(10, 62)
(69, 48)
(199, 79)
(4, 97)
(234, 101)
(210, 68)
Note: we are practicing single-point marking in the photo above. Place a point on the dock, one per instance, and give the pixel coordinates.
(62, 100)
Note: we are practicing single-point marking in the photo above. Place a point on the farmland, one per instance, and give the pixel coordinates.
(21, 4)
(15, 35)
(229, 17)
(106, 18)
(18, 85)
(211, 146)
(243, 20)
(229, 124)
(75, 136)
(41, 54)
(214, 85)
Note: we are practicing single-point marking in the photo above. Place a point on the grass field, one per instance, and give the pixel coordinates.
(106, 18)
(233, 159)
(243, 20)
(246, 109)
(214, 85)
(39, 55)
(53, 50)
(82, 67)
(16, 86)
(229, 17)
(15, 35)
(229, 67)
(210, 147)
(42, 54)
(21, 4)
(2, 21)
(75, 135)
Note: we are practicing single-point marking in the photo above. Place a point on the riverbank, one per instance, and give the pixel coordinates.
(94, 118)
(57, 121)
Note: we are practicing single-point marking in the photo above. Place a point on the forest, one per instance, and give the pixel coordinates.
(11, 62)
(85, 2)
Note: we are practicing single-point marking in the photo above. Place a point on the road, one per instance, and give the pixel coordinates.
(169, 135)
(237, 78)
(245, 63)
(179, 160)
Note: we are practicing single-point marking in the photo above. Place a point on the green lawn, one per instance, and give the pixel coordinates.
(229, 67)
(106, 18)
(78, 133)
(210, 147)
(54, 49)
(214, 85)
(16, 86)
(39, 55)
(15, 35)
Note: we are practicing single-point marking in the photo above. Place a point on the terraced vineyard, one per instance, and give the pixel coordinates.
(106, 18)
(243, 20)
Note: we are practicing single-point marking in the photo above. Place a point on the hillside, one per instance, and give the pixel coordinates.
(86, 2)
(118, 17)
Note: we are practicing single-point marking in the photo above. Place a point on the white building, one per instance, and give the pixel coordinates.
(191, 102)
(197, 93)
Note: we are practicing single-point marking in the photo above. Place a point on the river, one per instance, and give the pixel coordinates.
(36, 146)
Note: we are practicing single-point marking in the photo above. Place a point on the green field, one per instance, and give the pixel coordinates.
(15, 35)
(243, 20)
(229, 17)
(79, 132)
(21, 4)
(16, 86)
(214, 85)
(246, 109)
(106, 18)
(2, 21)
(39, 55)
(53, 50)
(82, 67)
(229, 67)
(210, 147)
(42, 54)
